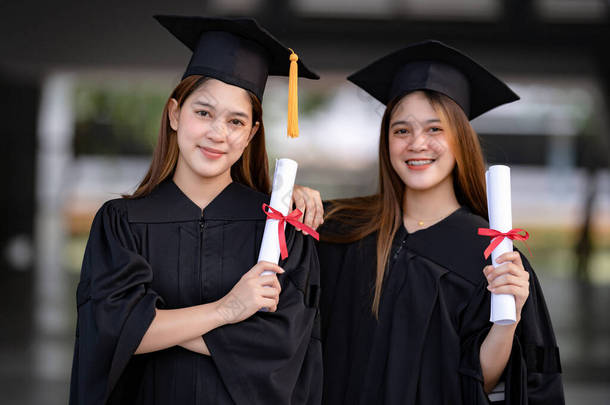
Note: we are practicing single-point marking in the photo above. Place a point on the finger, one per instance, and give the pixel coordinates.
(263, 266)
(508, 267)
(301, 204)
(270, 282)
(319, 209)
(508, 279)
(487, 270)
(319, 217)
(495, 271)
(296, 194)
(310, 214)
(268, 303)
(270, 293)
(267, 281)
(318, 220)
(509, 289)
(509, 257)
(277, 285)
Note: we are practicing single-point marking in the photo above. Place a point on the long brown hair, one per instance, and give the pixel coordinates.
(382, 212)
(252, 168)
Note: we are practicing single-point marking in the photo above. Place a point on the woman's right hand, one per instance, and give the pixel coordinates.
(309, 202)
(251, 293)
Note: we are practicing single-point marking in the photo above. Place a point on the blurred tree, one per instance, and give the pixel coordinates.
(113, 120)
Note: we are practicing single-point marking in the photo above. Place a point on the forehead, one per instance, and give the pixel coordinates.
(219, 94)
(414, 105)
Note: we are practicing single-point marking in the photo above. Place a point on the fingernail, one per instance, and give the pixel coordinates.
(282, 270)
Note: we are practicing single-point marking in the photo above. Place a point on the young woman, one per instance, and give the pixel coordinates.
(170, 290)
(405, 287)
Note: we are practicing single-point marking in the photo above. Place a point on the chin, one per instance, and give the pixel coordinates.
(209, 169)
(420, 186)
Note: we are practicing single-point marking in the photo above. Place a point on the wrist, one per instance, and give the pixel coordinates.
(228, 309)
(506, 329)
(217, 315)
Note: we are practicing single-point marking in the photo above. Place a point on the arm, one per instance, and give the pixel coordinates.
(180, 326)
(196, 345)
(275, 357)
(186, 325)
(509, 278)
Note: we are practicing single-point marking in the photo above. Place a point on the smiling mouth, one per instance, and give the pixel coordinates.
(419, 162)
(211, 153)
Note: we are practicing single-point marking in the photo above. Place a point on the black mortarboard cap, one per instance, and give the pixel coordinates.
(432, 65)
(236, 51)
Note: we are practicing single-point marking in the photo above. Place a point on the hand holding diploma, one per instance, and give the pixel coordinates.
(508, 280)
(274, 241)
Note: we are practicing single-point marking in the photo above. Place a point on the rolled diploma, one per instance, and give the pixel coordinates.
(281, 196)
(503, 309)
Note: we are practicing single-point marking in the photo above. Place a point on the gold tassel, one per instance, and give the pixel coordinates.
(293, 99)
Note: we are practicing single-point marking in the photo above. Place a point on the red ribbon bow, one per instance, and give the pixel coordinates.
(292, 218)
(498, 237)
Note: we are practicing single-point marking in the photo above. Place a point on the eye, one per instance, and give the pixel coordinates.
(401, 131)
(435, 129)
(237, 122)
(202, 113)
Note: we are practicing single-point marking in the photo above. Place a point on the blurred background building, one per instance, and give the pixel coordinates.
(83, 85)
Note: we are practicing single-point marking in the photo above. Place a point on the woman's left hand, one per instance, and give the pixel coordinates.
(509, 278)
(309, 202)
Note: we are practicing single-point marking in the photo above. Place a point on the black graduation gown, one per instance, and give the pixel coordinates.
(433, 317)
(160, 251)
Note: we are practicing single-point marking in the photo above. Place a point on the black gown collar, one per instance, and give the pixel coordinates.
(167, 203)
(452, 243)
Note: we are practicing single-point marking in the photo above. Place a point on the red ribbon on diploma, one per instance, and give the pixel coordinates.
(498, 237)
(292, 218)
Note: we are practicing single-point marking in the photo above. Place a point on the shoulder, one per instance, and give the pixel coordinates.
(346, 216)
(115, 208)
(118, 205)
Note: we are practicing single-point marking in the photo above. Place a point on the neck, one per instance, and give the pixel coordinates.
(430, 205)
(200, 190)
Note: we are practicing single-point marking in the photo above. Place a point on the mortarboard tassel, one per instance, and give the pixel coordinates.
(293, 99)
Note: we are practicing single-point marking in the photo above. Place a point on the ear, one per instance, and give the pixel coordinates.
(254, 130)
(173, 113)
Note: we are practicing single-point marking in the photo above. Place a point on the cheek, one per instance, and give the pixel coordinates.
(395, 148)
(438, 146)
(239, 140)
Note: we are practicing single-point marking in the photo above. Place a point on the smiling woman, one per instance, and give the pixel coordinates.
(170, 290)
(404, 280)
(193, 102)
(213, 127)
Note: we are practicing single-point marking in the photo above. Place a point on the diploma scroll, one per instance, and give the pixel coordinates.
(503, 310)
(281, 197)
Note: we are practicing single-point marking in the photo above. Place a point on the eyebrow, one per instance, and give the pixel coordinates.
(206, 104)
(430, 121)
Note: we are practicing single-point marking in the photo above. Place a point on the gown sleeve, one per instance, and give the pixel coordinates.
(115, 306)
(275, 357)
(533, 373)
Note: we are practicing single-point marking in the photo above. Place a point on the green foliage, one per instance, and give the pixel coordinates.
(121, 118)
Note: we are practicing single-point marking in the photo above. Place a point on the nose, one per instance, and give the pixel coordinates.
(217, 131)
(418, 140)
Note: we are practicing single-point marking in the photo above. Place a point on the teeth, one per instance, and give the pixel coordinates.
(419, 162)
